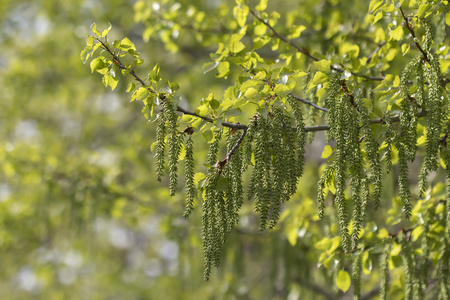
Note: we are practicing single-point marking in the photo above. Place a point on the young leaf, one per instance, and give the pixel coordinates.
(343, 280)
(327, 151)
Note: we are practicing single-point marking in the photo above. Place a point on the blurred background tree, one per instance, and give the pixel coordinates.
(82, 214)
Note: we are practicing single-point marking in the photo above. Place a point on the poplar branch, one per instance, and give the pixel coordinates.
(309, 103)
(120, 65)
(221, 164)
(411, 30)
(235, 126)
(305, 51)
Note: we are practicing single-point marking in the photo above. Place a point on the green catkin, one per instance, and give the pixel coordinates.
(248, 144)
(300, 134)
(434, 118)
(283, 169)
(356, 276)
(262, 190)
(444, 268)
(372, 155)
(324, 179)
(210, 237)
(444, 278)
(174, 144)
(406, 141)
(354, 161)
(423, 271)
(340, 169)
(235, 193)
(389, 139)
(331, 102)
(411, 284)
(160, 146)
(403, 181)
(279, 166)
(189, 171)
(408, 118)
(221, 223)
(364, 197)
(429, 36)
(384, 272)
(446, 158)
(209, 234)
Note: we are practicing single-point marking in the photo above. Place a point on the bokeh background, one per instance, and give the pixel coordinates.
(81, 213)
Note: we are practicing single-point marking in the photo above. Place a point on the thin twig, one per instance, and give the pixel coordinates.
(369, 58)
(221, 164)
(120, 65)
(410, 29)
(305, 51)
(279, 36)
(309, 103)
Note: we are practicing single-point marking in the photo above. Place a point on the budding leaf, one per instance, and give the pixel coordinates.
(343, 281)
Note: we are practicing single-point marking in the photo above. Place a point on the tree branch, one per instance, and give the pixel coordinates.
(305, 51)
(221, 164)
(309, 103)
(410, 29)
(315, 128)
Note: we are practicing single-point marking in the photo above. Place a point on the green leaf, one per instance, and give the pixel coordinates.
(208, 135)
(154, 74)
(223, 69)
(423, 8)
(126, 44)
(397, 33)
(260, 29)
(281, 89)
(378, 16)
(375, 5)
(241, 13)
(202, 110)
(90, 41)
(292, 235)
(262, 5)
(447, 19)
(351, 50)
(366, 263)
(327, 151)
(260, 41)
(110, 81)
(173, 86)
(138, 62)
(105, 32)
(97, 63)
(319, 77)
(210, 66)
(250, 93)
(297, 31)
(221, 184)
(131, 86)
(233, 112)
(94, 29)
(237, 47)
(197, 177)
(323, 65)
(405, 48)
(343, 280)
(214, 104)
(140, 94)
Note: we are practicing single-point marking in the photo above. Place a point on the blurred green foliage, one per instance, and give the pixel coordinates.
(81, 213)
